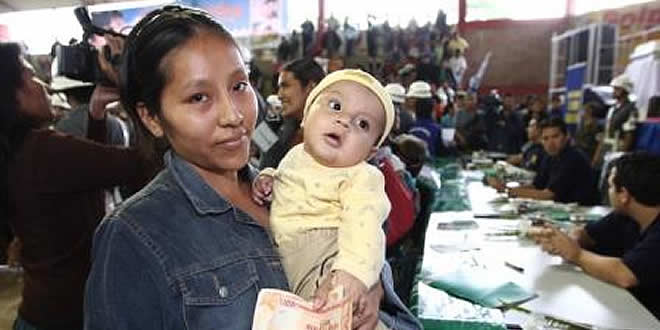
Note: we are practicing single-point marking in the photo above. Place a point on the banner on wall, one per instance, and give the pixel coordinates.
(246, 18)
(631, 19)
(4, 33)
(121, 21)
(632, 22)
(255, 18)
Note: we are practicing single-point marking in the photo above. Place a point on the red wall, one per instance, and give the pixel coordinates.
(520, 61)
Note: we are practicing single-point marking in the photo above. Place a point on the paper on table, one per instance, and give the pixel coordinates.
(448, 135)
(562, 288)
(437, 304)
(482, 287)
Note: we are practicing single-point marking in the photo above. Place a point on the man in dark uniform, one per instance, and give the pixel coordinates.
(532, 155)
(565, 175)
(623, 247)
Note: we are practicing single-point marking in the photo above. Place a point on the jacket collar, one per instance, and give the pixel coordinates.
(203, 198)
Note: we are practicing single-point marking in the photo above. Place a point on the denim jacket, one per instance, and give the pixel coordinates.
(179, 256)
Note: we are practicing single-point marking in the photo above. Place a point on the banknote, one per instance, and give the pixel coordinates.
(282, 310)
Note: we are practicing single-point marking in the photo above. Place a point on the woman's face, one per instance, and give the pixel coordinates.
(208, 107)
(292, 94)
(32, 99)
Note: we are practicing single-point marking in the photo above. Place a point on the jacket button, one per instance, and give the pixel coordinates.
(222, 291)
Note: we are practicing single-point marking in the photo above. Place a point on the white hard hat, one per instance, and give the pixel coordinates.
(274, 101)
(419, 89)
(397, 92)
(622, 82)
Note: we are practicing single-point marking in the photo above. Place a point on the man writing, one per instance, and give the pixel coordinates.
(565, 175)
(621, 248)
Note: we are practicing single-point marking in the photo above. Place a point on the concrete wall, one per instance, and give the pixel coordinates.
(520, 61)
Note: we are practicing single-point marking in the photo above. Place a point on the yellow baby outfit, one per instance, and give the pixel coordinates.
(327, 218)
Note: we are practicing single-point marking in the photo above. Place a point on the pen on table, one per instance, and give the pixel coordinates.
(514, 267)
(512, 326)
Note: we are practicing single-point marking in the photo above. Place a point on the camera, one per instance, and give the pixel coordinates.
(80, 61)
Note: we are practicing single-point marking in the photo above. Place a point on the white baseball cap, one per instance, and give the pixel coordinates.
(397, 92)
(419, 89)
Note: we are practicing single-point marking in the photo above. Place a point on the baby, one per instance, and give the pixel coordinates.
(328, 204)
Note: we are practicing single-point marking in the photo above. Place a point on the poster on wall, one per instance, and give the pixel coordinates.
(246, 18)
(267, 17)
(636, 24)
(4, 33)
(259, 21)
(233, 14)
(121, 21)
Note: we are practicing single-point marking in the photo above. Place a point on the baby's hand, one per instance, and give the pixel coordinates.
(262, 189)
(354, 290)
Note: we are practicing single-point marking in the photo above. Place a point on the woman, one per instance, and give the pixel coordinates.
(296, 80)
(190, 250)
(51, 193)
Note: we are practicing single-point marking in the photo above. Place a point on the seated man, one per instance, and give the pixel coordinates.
(565, 175)
(532, 154)
(623, 247)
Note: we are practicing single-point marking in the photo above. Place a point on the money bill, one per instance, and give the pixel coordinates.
(282, 310)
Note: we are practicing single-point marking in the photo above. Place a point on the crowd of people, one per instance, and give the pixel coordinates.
(434, 52)
(192, 233)
(169, 195)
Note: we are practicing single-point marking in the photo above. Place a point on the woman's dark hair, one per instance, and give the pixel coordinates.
(424, 108)
(13, 126)
(305, 70)
(639, 173)
(143, 75)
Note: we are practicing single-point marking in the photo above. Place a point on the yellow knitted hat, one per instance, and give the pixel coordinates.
(363, 79)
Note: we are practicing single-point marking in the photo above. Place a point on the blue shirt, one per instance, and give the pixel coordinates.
(177, 255)
(429, 131)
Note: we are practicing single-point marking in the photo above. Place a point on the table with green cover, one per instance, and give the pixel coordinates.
(455, 254)
(452, 195)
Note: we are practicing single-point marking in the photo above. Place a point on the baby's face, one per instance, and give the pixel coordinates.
(345, 122)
